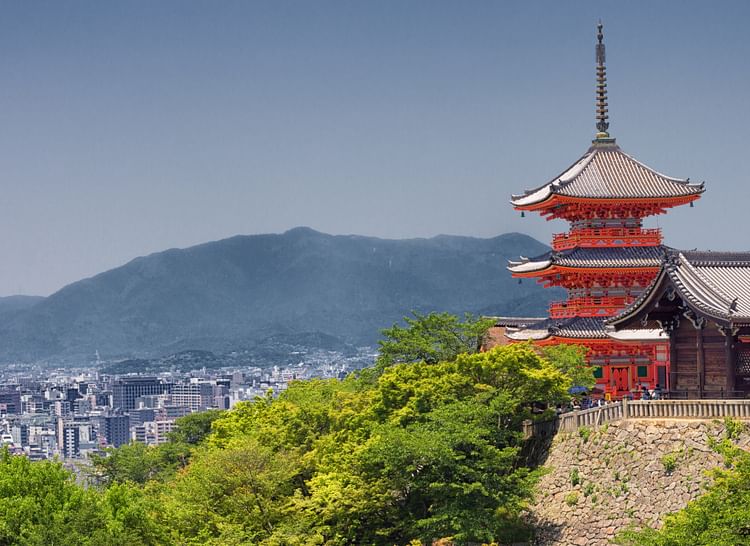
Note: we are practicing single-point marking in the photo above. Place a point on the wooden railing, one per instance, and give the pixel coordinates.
(686, 409)
(640, 409)
(589, 307)
(606, 237)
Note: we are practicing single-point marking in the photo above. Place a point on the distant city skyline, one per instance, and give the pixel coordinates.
(130, 128)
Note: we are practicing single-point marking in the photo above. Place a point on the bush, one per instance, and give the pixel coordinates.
(575, 478)
(733, 428)
(588, 489)
(571, 499)
(670, 462)
(584, 433)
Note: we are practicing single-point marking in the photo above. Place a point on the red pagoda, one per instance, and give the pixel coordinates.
(607, 259)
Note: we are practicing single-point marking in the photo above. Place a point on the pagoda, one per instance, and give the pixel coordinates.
(607, 259)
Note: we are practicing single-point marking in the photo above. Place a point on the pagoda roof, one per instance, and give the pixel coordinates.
(576, 327)
(592, 258)
(713, 284)
(580, 328)
(516, 322)
(606, 172)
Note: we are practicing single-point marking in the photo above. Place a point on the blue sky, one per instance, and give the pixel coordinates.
(131, 127)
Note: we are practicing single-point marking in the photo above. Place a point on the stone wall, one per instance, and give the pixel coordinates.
(626, 473)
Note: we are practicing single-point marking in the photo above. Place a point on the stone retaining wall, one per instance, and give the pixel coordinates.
(625, 473)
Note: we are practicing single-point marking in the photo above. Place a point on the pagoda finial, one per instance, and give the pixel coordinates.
(602, 118)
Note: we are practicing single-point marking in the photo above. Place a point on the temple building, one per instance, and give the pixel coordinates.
(701, 300)
(607, 261)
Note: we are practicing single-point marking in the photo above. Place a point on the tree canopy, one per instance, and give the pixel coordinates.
(426, 447)
(432, 338)
(428, 451)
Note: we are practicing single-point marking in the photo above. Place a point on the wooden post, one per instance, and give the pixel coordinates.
(528, 428)
(701, 356)
(672, 360)
(729, 356)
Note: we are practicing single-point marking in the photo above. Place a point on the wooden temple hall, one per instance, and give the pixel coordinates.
(649, 314)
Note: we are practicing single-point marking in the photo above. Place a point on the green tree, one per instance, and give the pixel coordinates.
(432, 338)
(571, 360)
(139, 463)
(41, 504)
(232, 495)
(127, 518)
(193, 428)
(428, 451)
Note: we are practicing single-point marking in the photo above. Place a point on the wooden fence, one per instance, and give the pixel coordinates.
(639, 409)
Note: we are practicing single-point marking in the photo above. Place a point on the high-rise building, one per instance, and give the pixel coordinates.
(68, 438)
(126, 390)
(10, 401)
(139, 416)
(20, 433)
(115, 429)
(196, 396)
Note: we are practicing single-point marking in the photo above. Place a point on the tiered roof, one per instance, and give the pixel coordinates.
(517, 322)
(579, 328)
(592, 258)
(606, 172)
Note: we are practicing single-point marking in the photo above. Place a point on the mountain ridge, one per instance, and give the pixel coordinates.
(239, 290)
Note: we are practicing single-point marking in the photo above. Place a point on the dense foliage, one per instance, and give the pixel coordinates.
(41, 504)
(431, 338)
(428, 451)
(409, 451)
(570, 359)
(138, 463)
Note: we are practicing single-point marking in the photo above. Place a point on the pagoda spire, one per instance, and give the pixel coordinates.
(602, 118)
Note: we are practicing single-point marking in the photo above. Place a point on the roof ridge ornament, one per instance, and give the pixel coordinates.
(602, 116)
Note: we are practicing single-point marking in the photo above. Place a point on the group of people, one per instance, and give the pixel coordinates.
(586, 402)
(582, 403)
(651, 394)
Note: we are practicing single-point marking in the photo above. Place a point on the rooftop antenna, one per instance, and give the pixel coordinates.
(602, 118)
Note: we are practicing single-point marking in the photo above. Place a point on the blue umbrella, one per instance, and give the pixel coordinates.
(577, 390)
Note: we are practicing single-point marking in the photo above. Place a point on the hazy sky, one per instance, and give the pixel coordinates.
(131, 127)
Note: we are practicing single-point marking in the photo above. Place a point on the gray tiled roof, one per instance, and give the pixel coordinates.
(606, 172)
(638, 256)
(716, 284)
(517, 322)
(577, 327)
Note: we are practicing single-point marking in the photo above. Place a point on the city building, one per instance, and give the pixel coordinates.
(198, 396)
(115, 429)
(126, 390)
(10, 401)
(153, 432)
(68, 438)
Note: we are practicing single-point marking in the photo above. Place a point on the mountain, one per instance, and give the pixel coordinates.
(239, 291)
(11, 304)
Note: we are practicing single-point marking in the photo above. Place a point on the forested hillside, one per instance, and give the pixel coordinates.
(236, 292)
